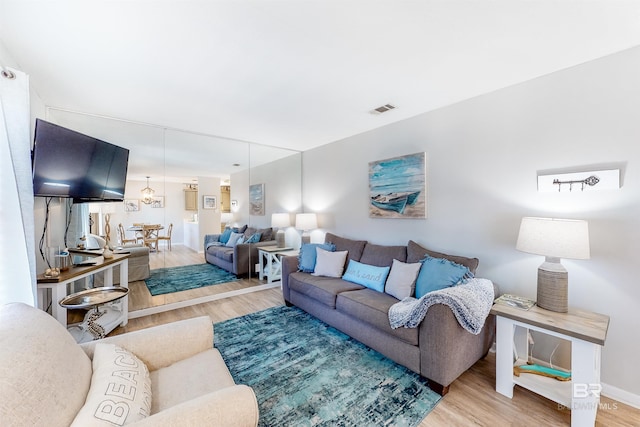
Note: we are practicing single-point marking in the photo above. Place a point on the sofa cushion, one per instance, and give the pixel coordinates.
(321, 289)
(330, 264)
(266, 234)
(307, 256)
(354, 247)
(371, 276)
(234, 239)
(383, 256)
(254, 238)
(416, 253)
(439, 273)
(224, 237)
(44, 374)
(188, 379)
(120, 390)
(373, 308)
(402, 279)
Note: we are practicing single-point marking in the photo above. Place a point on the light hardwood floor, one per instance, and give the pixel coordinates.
(472, 399)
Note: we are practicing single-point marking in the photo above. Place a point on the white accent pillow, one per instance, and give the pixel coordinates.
(330, 264)
(234, 239)
(402, 279)
(120, 391)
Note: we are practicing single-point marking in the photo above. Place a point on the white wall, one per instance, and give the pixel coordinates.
(483, 159)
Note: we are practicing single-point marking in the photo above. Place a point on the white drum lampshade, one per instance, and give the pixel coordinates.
(554, 239)
(306, 222)
(280, 221)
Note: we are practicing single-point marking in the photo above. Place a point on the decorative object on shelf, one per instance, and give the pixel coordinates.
(209, 202)
(131, 205)
(554, 239)
(515, 301)
(107, 253)
(397, 187)
(588, 180)
(280, 221)
(256, 199)
(306, 222)
(542, 370)
(147, 194)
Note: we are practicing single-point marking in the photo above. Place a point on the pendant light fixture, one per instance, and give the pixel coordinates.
(147, 194)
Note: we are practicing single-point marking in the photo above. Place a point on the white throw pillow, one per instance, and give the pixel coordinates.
(402, 279)
(330, 264)
(234, 239)
(120, 391)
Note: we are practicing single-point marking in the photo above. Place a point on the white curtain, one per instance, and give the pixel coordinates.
(17, 245)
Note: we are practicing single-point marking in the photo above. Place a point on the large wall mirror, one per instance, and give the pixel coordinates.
(201, 184)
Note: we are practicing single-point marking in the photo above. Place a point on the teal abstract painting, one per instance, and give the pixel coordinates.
(398, 187)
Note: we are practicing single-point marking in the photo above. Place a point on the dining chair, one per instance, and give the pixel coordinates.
(167, 237)
(150, 235)
(123, 237)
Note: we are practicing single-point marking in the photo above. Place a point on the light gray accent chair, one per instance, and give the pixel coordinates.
(45, 376)
(138, 266)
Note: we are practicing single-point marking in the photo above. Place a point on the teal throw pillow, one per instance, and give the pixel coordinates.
(307, 256)
(255, 238)
(371, 276)
(439, 273)
(224, 237)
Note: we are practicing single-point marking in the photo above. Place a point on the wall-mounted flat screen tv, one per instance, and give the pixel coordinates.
(70, 164)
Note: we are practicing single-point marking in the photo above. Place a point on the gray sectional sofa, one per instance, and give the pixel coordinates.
(440, 350)
(240, 258)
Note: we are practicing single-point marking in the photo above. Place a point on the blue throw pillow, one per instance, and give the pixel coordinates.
(224, 237)
(439, 273)
(255, 238)
(371, 276)
(307, 256)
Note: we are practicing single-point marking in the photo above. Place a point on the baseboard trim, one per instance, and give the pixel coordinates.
(620, 395)
(175, 305)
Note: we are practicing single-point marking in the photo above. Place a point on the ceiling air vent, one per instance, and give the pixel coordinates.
(383, 109)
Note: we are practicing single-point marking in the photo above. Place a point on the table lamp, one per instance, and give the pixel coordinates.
(306, 222)
(554, 239)
(280, 221)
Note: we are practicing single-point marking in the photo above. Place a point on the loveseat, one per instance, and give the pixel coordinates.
(237, 258)
(171, 374)
(439, 349)
(138, 265)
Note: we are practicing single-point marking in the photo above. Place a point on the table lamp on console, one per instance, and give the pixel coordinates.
(554, 239)
(306, 222)
(280, 221)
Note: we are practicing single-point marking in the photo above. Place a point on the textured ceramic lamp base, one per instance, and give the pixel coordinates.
(553, 290)
(280, 238)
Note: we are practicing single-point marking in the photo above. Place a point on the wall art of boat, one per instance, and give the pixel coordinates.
(395, 201)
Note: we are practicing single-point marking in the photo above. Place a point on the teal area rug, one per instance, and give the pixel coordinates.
(306, 373)
(176, 279)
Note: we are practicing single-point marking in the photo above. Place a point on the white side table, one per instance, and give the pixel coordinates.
(585, 330)
(270, 262)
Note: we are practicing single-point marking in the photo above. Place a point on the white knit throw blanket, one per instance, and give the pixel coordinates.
(470, 303)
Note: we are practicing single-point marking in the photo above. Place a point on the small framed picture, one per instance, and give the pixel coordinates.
(157, 202)
(131, 205)
(234, 204)
(209, 202)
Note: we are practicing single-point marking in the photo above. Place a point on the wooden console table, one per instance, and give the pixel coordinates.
(59, 285)
(585, 330)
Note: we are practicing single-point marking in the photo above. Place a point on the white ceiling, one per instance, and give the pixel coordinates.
(296, 73)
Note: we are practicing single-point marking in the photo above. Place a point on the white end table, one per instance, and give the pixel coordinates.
(585, 330)
(270, 262)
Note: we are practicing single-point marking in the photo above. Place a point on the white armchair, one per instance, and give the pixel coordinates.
(46, 376)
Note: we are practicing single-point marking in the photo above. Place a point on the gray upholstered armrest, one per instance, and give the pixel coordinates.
(289, 265)
(229, 407)
(164, 345)
(245, 255)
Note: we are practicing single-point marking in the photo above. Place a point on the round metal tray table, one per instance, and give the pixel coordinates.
(94, 297)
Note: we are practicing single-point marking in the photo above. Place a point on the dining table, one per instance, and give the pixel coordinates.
(148, 233)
